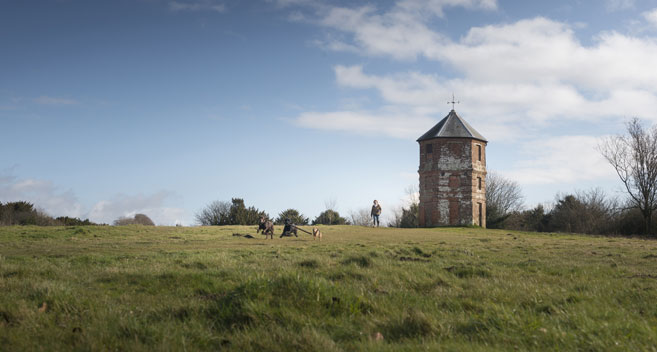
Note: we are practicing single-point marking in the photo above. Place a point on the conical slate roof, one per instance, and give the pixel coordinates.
(452, 126)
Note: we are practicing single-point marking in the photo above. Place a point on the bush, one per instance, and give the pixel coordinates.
(361, 217)
(406, 217)
(138, 219)
(23, 213)
(215, 213)
(293, 215)
(233, 213)
(329, 217)
(67, 221)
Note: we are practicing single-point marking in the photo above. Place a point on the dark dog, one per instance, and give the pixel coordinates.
(289, 229)
(267, 228)
(262, 225)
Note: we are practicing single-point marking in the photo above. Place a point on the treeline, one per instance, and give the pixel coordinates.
(236, 212)
(589, 212)
(25, 213)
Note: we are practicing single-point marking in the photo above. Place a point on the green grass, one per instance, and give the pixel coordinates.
(454, 289)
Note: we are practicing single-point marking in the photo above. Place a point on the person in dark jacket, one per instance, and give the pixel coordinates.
(376, 212)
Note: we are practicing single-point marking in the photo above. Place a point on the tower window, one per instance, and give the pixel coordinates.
(479, 182)
(429, 148)
(479, 152)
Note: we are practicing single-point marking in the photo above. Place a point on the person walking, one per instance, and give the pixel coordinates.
(376, 211)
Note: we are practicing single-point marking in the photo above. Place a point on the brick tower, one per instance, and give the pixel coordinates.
(452, 174)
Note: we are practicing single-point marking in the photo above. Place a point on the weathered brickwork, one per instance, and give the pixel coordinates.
(452, 182)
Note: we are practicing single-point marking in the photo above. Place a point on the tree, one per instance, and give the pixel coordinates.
(329, 217)
(24, 213)
(138, 219)
(141, 219)
(69, 221)
(503, 196)
(225, 213)
(410, 216)
(584, 212)
(535, 219)
(634, 157)
(215, 213)
(294, 215)
(241, 215)
(361, 217)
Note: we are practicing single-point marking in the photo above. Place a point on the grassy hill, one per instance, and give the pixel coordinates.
(461, 289)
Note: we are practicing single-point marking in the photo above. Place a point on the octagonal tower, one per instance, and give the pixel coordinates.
(452, 174)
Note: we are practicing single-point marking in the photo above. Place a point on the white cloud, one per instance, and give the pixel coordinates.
(517, 80)
(57, 202)
(563, 159)
(397, 126)
(525, 74)
(399, 34)
(198, 5)
(617, 5)
(153, 205)
(651, 17)
(436, 7)
(542, 50)
(503, 110)
(532, 50)
(46, 100)
(43, 194)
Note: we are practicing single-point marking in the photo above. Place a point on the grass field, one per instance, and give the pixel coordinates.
(460, 289)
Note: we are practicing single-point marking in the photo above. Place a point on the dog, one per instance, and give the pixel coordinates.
(289, 229)
(317, 234)
(267, 228)
(261, 225)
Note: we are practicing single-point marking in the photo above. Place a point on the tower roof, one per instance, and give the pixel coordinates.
(452, 126)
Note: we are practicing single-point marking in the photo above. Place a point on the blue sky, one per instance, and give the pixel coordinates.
(110, 108)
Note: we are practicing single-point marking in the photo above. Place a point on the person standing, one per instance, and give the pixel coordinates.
(376, 212)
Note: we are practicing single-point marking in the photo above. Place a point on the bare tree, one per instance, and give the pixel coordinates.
(503, 196)
(412, 194)
(407, 215)
(330, 203)
(215, 213)
(361, 217)
(330, 211)
(634, 157)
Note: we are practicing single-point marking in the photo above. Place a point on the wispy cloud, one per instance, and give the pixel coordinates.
(651, 17)
(197, 5)
(618, 5)
(45, 195)
(519, 79)
(46, 100)
(153, 205)
(396, 126)
(563, 159)
(523, 75)
(42, 193)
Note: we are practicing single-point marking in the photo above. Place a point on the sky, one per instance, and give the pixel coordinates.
(111, 108)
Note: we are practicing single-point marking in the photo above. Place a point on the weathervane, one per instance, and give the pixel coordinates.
(453, 102)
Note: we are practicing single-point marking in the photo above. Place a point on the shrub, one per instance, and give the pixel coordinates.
(138, 219)
(329, 217)
(294, 215)
(233, 213)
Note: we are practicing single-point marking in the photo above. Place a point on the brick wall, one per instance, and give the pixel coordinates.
(450, 192)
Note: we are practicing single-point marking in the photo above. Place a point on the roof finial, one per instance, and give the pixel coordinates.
(453, 102)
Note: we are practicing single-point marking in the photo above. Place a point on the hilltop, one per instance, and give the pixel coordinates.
(201, 288)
